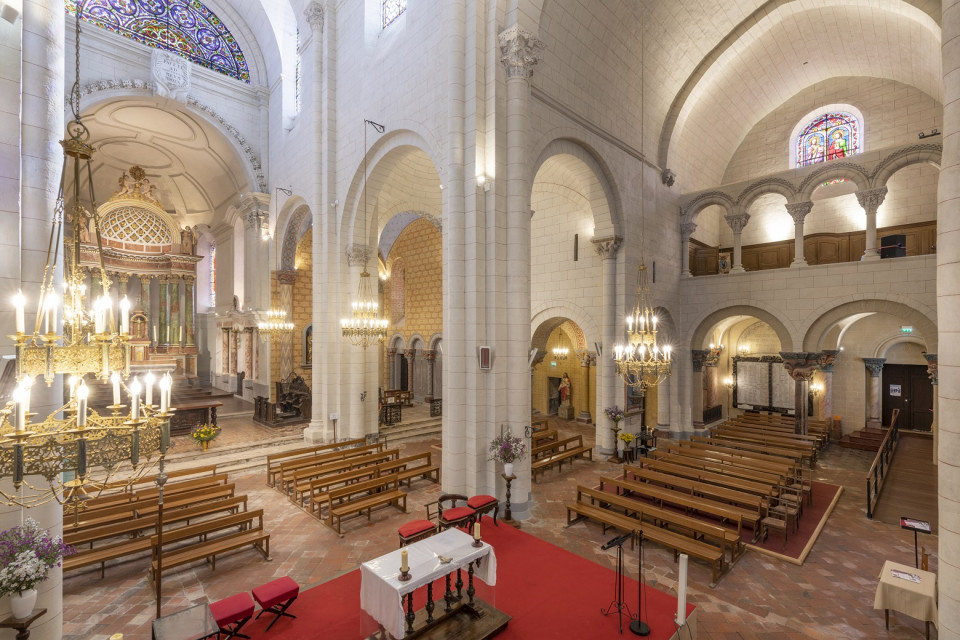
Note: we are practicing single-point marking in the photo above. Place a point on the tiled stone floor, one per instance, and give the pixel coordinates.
(830, 596)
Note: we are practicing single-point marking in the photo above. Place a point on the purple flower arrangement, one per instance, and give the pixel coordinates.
(27, 553)
(507, 448)
(615, 413)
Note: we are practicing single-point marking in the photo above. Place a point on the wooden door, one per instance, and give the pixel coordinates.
(907, 387)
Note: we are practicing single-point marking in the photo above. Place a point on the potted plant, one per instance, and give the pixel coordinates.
(507, 449)
(615, 414)
(204, 433)
(626, 438)
(27, 553)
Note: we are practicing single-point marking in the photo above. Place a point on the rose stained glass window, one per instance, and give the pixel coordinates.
(184, 27)
(828, 137)
(390, 10)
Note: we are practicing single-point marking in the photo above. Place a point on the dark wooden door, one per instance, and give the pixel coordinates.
(553, 390)
(404, 373)
(907, 387)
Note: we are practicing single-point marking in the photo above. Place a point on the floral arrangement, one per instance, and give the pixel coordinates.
(627, 437)
(507, 448)
(205, 432)
(27, 553)
(615, 413)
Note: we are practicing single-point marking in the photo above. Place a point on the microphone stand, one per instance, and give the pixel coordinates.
(618, 605)
(638, 626)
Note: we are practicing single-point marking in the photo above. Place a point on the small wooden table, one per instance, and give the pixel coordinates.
(22, 625)
(915, 599)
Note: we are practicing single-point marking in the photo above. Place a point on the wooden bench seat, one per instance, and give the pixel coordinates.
(747, 443)
(729, 456)
(103, 554)
(186, 499)
(303, 478)
(410, 470)
(133, 527)
(274, 460)
(128, 486)
(364, 496)
(289, 470)
(679, 457)
(690, 475)
(321, 487)
(236, 504)
(556, 453)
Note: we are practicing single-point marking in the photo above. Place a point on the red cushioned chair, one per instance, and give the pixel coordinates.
(485, 504)
(416, 530)
(276, 597)
(449, 514)
(232, 613)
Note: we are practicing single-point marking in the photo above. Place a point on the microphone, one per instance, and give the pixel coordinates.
(616, 542)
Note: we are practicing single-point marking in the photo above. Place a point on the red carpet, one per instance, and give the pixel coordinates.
(801, 541)
(548, 591)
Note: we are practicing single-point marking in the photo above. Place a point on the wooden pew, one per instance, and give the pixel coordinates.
(208, 547)
(732, 456)
(129, 486)
(320, 488)
(184, 500)
(407, 470)
(799, 454)
(558, 452)
(678, 458)
(289, 469)
(364, 496)
(236, 504)
(274, 460)
(709, 477)
(301, 479)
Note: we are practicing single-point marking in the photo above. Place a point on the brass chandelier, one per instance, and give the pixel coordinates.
(75, 449)
(276, 325)
(642, 363)
(365, 326)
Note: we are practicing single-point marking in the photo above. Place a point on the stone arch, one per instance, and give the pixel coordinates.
(397, 341)
(435, 340)
(605, 203)
(763, 187)
(298, 223)
(828, 171)
(553, 316)
(885, 346)
(690, 210)
(698, 338)
(827, 316)
(916, 154)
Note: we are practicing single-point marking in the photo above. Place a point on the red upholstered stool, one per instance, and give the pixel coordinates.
(276, 596)
(416, 530)
(485, 504)
(236, 611)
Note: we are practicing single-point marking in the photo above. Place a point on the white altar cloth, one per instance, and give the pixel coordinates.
(381, 592)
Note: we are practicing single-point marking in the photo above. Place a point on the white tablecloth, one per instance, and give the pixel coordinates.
(381, 592)
(915, 599)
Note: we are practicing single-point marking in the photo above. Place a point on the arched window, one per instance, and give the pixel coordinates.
(213, 276)
(184, 27)
(390, 10)
(830, 135)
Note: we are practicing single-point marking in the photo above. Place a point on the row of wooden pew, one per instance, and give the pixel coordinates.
(202, 518)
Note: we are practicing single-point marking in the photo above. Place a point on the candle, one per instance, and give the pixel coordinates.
(155, 341)
(19, 412)
(404, 567)
(50, 306)
(82, 393)
(476, 530)
(125, 316)
(135, 399)
(164, 389)
(115, 379)
(73, 386)
(148, 382)
(26, 384)
(18, 303)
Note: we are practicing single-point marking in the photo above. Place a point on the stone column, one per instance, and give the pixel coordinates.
(699, 357)
(144, 302)
(801, 365)
(235, 350)
(827, 360)
(686, 231)
(608, 382)
(255, 208)
(176, 311)
(737, 222)
(871, 200)
(410, 354)
(875, 367)
(431, 357)
(248, 367)
(664, 390)
(520, 51)
(188, 310)
(164, 315)
(933, 374)
(392, 374)
(123, 279)
(798, 211)
(586, 361)
(285, 282)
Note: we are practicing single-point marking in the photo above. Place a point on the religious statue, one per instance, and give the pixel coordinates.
(838, 146)
(126, 185)
(188, 241)
(565, 390)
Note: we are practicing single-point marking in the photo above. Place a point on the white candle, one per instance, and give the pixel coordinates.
(50, 307)
(26, 384)
(125, 316)
(115, 379)
(155, 341)
(82, 393)
(73, 386)
(135, 399)
(18, 303)
(148, 382)
(404, 567)
(164, 387)
(19, 412)
(476, 530)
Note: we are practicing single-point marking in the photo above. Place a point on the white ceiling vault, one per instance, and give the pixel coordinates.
(196, 169)
(712, 69)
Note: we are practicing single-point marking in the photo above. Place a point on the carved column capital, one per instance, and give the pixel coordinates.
(699, 359)
(932, 368)
(520, 50)
(314, 13)
(429, 354)
(801, 365)
(607, 248)
(798, 210)
(358, 254)
(255, 208)
(587, 359)
(123, 277)
(874, 366)
(687, 229)
(871, 199)
(827, 359)
(286, 277)
(409, 353)
(737, 221)
(189, 279)
(668, 177)
(391, 351)
(537, 359)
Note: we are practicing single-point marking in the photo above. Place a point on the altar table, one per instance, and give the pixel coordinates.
(915, 599)
(382, 593)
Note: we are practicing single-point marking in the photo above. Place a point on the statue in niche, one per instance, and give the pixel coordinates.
(308, 348)
(188, 241)
(565, 390)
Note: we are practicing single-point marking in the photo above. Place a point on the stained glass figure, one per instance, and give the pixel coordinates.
(391, 10)
(184, 27)
(828, 137)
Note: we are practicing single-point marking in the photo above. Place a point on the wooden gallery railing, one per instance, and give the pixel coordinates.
(881, 464)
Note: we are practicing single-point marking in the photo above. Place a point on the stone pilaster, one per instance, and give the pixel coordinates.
(686, 231)
(875, 367)
(430, 356)
(801, 365)
(608, 382)
(871, 200)
(164, 319)
(798, 211)
(189, 316)
(933, 372)
(699, 360)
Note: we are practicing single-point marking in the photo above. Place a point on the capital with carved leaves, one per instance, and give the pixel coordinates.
(800, 365)
(520, 50)
(871, 199)
(874, 366)
(737, 221)
(687, 229)
(314, 13)
(358, 254)
(932, 368)
(607, 248)
(827, 359)
(798, 210)
(699, 359)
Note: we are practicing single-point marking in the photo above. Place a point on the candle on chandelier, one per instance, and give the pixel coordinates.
(19, 412)
(115, 379)
(19, 302)
(164, 384)
(73, 382)
(82, 393)
(135, 399)
(51, 312)
(148, 383)
(26, 384)
(125, 316)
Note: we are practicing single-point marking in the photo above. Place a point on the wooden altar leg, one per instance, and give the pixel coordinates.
(213, 416)
(459, 585)
(448, 597)
(470, 589)
(411, 616)
(430, 604)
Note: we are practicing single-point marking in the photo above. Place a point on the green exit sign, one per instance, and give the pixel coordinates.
(906, 329)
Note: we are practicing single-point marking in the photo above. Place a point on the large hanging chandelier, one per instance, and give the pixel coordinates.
(75, 449)
(642, 362)
(276, 325)
(365, 326)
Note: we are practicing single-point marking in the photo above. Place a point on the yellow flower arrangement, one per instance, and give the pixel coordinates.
(626, 437)
(205, 432)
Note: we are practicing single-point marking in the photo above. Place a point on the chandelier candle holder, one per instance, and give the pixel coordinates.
(642, 363)
(276, 325)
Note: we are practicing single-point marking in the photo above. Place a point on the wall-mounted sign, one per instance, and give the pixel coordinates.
(906, 329)
(894, 391)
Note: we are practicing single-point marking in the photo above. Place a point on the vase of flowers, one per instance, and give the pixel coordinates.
(204, 433)
(626, 438)
(615, 414)
(507, 449)
(27, 553)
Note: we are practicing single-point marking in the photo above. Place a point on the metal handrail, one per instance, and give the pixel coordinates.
(877, 473)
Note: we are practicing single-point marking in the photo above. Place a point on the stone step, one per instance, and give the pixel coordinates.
(426, 428)
(230, 458)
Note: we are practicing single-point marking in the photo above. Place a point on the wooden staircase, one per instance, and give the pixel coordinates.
(868, 439)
